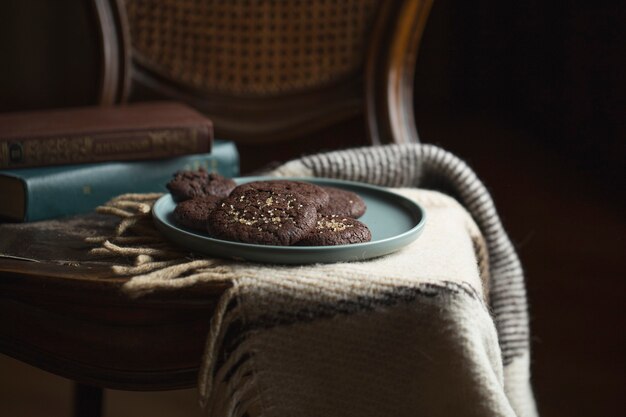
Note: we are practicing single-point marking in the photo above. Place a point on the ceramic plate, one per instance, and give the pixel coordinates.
(394, 221)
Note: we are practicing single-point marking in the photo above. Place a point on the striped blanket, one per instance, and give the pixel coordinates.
(439, 328)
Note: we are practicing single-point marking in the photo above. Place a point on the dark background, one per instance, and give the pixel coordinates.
(532, 95)
(552, 69)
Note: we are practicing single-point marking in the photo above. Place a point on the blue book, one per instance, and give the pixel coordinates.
(33, 194)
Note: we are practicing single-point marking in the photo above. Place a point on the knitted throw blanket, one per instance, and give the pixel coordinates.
(439, 328)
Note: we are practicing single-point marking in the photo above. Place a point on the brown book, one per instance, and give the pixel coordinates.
(97, 134)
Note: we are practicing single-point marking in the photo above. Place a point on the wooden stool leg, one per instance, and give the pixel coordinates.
(87, 400)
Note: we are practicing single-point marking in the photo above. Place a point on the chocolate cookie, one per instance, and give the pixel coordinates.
(336, 230)
(311, 193)
(266, 217)
(343, 203)
(190, 184)
(194, 213)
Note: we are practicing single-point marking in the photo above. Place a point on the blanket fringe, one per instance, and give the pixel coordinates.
(157, 264)
(227, 390)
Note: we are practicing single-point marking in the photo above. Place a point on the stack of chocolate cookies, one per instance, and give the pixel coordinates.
(277, 212)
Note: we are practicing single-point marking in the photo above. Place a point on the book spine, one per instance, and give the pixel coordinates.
(102, 147)
(64, 191)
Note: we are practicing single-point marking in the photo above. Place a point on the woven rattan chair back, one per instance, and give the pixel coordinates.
(273, 69)
(251, 48)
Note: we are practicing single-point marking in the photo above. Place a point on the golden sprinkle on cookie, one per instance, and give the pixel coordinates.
(333, 225)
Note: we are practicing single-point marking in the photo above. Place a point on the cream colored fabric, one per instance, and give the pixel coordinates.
(428, 166)
(408, 334)
(436, 356)
(415, 337)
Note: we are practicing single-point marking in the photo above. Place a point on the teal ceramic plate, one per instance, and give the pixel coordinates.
(394, 221)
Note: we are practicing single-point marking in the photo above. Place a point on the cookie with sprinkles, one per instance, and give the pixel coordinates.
(343, 203)
(266, 217)
(194, 213)
(311, 193)
(336, 230)
(190, 184)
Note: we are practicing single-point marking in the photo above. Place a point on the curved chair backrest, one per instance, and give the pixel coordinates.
(267, 70)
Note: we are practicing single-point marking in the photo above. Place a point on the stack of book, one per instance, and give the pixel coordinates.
(66, 162)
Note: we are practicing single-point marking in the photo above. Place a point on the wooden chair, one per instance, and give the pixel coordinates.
(271, 75)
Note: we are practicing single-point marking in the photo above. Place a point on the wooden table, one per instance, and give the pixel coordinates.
(63, 311)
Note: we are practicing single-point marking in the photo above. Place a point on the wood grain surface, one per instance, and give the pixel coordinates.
(67, 314)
